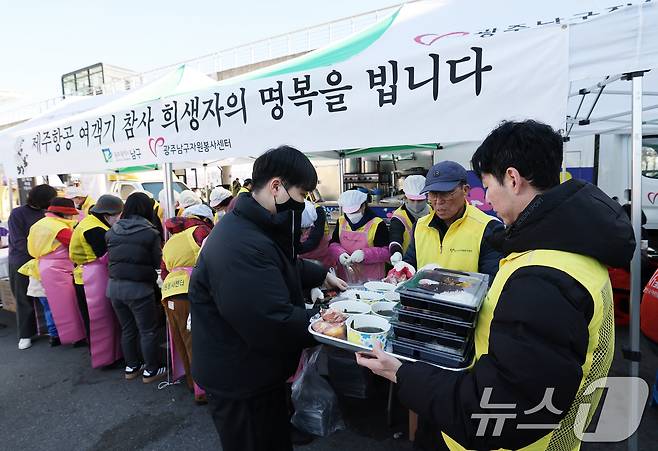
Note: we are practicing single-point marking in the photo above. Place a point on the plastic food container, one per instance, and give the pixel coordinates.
(363, 295)
(422, 353)
(431, 339)
(426, 319)
(383, 309)
(458, 295)
(365, 330)
(378, 286)
(351, 307)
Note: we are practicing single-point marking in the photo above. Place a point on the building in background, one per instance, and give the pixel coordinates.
(91, 80)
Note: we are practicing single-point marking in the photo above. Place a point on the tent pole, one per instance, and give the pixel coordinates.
(169, 194)
(341, 172)
(206, 193)
(11, 194)
(636, 213)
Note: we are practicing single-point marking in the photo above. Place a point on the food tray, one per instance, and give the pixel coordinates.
(425, 318)
(437, 340)
(346, 345)
(452, 290)
(439, 309)
(411, 350)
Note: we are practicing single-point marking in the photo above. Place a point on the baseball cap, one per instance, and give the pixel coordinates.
(444, 176)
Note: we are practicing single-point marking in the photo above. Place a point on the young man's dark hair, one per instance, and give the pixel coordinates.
(40, 196)
(288, 163)
(533, 148)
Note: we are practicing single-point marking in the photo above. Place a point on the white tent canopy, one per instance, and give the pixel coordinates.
(376, 88)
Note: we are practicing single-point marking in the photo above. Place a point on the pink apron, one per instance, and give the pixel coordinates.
(359, 272)
(320, 253)
(56, 271)
(177, 367)
(104, 328)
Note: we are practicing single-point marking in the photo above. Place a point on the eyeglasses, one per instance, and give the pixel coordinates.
(444, 195)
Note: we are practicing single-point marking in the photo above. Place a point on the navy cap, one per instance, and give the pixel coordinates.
(444, 176)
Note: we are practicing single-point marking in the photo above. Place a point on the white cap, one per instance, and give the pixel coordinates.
(309, 215)
(162, 197)
(200, 210)
(412, 187)
(352, 200)
(188, 198)
(219, 195)
(74, 191)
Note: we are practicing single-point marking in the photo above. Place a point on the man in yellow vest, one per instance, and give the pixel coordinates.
(546, 330)
(454, 235)
(246, 187)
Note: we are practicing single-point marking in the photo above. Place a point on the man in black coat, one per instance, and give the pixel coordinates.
(249, 323)
(545, 333)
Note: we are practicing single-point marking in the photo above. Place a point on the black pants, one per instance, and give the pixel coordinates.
(138, 319)
(260, 423)
(25, 317)
(82, 305)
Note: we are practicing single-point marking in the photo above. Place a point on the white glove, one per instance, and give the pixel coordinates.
(344, 259)
(316, 295)
(395, 258)
(189, 322)
(430, 266)
(357, 256)
(399, 266)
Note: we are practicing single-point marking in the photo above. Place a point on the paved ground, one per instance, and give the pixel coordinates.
(52, 399)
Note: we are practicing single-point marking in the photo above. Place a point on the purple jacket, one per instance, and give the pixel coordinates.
(20, 221)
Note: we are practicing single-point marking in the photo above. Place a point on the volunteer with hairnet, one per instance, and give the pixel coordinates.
(455, 235)
(220, 198)
(81, 198)
(315, 235)
(162, 197)
(187, 199)
(404, 218)
(359, 244)
(179, 256)
(88, 251)
(48, 243)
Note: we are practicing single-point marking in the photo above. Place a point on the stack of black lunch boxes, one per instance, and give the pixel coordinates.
(436, 318)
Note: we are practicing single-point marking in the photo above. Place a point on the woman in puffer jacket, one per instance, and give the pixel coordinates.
(133, 246)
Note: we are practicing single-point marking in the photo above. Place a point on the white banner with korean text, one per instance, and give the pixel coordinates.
(406, 87)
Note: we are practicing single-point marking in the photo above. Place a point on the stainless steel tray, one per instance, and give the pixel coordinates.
(346, 345)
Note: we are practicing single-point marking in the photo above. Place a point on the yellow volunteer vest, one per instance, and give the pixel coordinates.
(180, 251)
(374, 224)
(87, 204)
(460, 248)
(158, 210)
(243, 190)
(600, 350)
(42, 240)
(80, 251)
(403, 216)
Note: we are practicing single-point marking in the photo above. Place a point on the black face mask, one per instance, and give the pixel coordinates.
(290, 204)
(289, 216)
